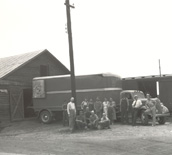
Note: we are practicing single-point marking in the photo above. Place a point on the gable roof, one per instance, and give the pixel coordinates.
(12, 63)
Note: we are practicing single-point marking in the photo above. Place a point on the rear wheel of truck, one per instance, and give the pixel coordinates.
(45, 117)
(161, 120)
(143, 118)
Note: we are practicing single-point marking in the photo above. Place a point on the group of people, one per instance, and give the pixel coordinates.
(92, 114)
(124, 109)
(152, 107)
(102, 114)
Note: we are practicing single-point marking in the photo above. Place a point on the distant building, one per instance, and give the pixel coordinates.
(16, 74)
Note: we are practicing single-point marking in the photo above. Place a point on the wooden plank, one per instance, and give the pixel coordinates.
(16, 103)
(4, 106)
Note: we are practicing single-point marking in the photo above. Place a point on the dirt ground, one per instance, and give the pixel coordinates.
(32, 137)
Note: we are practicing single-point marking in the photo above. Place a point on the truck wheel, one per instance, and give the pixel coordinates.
(144, 121)
(45, 117)
(161, 120)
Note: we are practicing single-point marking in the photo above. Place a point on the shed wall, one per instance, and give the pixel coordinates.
(4, 104)
(26, 73)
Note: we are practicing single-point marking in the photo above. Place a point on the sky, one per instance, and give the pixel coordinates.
(123, 37)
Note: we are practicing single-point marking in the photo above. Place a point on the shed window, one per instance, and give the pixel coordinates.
(44, 70)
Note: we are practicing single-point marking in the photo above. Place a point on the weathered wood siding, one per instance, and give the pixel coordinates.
(4, 105)
(12, 102)
(26, 73)
(16, 103)
(165, 93)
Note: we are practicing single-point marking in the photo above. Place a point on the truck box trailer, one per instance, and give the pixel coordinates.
(50, 92)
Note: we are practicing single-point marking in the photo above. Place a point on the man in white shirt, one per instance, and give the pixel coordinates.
(71, 110)
(84, 105)
(135, 108)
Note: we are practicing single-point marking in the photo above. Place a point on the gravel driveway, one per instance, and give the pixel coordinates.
(32, 137)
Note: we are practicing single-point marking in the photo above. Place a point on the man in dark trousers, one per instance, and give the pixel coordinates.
(135, 108)
(71, 110)
(98, 106)
(94, 120)
(124, 107)
(87, 116)
(65, 115)
(80, 121)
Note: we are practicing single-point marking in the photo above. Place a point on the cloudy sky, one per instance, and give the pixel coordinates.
(124, 37)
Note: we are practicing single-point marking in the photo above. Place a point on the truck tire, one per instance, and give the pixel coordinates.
(161, 120)
(144, 121)
(45, 117)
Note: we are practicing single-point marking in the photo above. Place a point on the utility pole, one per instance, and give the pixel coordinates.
(72, 70)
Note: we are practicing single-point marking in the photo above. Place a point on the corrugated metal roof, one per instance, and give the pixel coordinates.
(9, 64)
(148, 77)
(79, 76)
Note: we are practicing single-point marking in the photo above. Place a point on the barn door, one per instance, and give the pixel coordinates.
(16, 103)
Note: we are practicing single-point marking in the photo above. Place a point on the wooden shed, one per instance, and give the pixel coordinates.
(16, 74)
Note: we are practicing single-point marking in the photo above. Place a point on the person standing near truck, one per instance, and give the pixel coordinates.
(71, 110)
(112, 110)
(65, 114)
(98, 106)
(87, 115)
(150, 109)
(135, 108)
(91, 105)
(105, 106)
(84, 105)
(124, 107)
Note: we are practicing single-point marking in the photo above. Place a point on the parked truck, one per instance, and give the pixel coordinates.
(50, 93)
(160, 114)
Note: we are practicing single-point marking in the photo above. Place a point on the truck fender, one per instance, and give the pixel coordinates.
(51, 113)
(143, 108)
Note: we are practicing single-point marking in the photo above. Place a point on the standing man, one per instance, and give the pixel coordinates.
(124, 107)
(112, 103)
(87, 116)
(71, 110)
(105, 106)
(65, 114)
(91, 105)
(150, 109)
(98, 106)
(135, 108)
(84, 105)
(111, 113)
